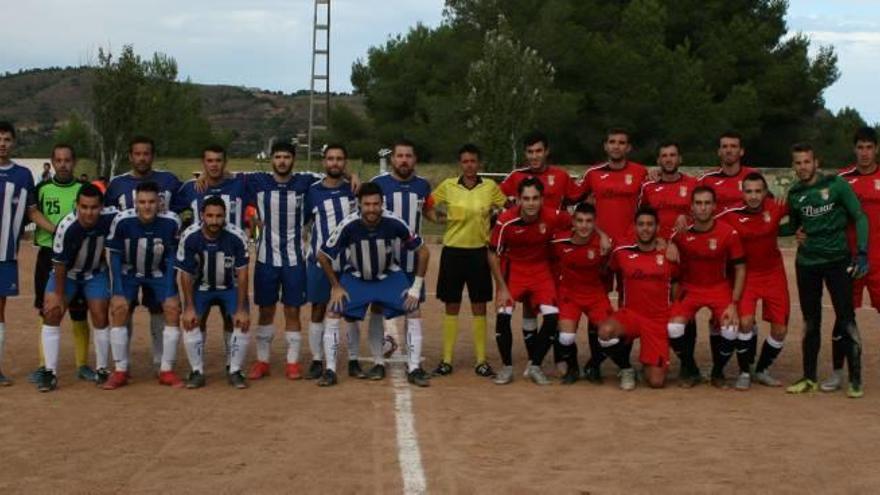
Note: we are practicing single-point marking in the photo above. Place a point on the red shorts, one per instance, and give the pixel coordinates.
(651, 331)
(594, 304)
(771, 288)
(531, 285)
(871, 281)
(716, 298)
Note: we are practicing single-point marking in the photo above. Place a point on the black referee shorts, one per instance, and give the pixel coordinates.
(460, 267)
(77, 307)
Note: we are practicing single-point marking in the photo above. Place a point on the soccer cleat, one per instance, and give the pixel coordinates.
(484, 369)
(376, 373)
(4, 381)
(571, 376)
(743, 382)
(195, 380)
(536, 374)
(117, 379)
(101, 376)
(593, 374)
(328, 379)
(47, 381)
(316, 370)
(389, 345)
(258, 370)
(627, 379)
(35, 375)
(355, 370)
(833, 383)
(170, 379)
(802, 386)
(86, 373)
(237, 380)
(442, 369)
(418, 377)
(718, 381)
(690, 378)
(504, 376)
(855, 391)
(764, 378)
(293, 371)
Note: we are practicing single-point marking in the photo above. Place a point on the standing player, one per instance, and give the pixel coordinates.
(213, 262)
(648, 281)
(520, 260)
(558, 185)
(79, 269)
(670, 194)
(706, 249)
(726, 180)
(469, 201)
(142, 245)
(372, 276)
(758, 225)
(823, 205)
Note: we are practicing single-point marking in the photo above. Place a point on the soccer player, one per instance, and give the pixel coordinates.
(558, 184)
(520, 260)
(469, 201)
(579, 261)
(726, 180)
(372, 276)
(822, 205)
(121, 194)
(79, 268)
(670, 194)
(758, 226)
(212, 259)
(706, 249)
(648, 282)
(142, 245)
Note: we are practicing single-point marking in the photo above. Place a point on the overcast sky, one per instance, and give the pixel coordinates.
(267, 43)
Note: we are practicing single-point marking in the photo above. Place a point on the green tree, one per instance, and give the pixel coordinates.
(77, 133)
(115, 105)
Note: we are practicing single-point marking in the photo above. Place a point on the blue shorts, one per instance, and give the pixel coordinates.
(388, 293)
(318, 290)
(8, 278)
(155, 290)
(290, 281)
(227, 300)
(95, 288)
(411, 277)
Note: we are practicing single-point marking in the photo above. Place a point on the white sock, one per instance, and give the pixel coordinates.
(101, 336)
(157, 325)
(376, 337)
(294, 344)
(316, 341)
(414, 342)
(331, 342)
(353, 332)
(51, 343)
(119, 346)
(239, 349)
(2, 339)
(194, 345)
(170, 339)
(264, 336)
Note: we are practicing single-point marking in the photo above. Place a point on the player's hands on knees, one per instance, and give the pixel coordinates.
(410, 302)
(338, 296)
(53, 305)
(189, 319)
(242, 320)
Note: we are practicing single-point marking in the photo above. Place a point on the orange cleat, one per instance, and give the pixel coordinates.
(293, 371)
(170, 379)
(117, 379)
(258, 370)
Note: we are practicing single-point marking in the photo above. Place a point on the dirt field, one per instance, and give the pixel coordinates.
(472, 436)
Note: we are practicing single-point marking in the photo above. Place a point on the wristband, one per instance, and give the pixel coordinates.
(416, 289)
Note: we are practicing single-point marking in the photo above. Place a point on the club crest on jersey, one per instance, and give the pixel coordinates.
(591, 254)
(767, 217)
(713, 244)
(877, 184)
(825, 194)
(628, 178)
(551, 180)
(661, 259)
(683, 191)
(542, 228)
(228, 262)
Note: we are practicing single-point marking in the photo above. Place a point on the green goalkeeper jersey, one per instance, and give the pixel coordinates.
(54, 200)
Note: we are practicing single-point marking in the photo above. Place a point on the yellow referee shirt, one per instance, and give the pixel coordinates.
(468, 211)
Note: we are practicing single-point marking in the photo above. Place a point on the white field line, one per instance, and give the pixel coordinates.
(409, 455)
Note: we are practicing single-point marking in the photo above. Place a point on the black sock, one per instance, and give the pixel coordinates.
(619, 353)
(544, 340)
(597, 354)
(529, 339)
(690, 339)
(557, 348)
(504, 338)
(726, 348)
(768, 355)
(745, 353)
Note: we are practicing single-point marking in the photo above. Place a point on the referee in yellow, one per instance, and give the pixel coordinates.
(469, 202)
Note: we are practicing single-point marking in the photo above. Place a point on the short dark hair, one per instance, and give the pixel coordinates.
(336, 146)
(618, 130)
(214, 148)
(63, 146)
(90, 191)
(868, 134)
(646, 210)
(730, 135)
(142, 140)
(370, 189)
(585, 208)
(213, 201)
(667, 144)
(283, 147)
(753, 177)
(701, 190)
(802, 148)
(530, 182)
(535, 137)
(470, 148)
(7, 127)
(147, 186)
(404, 142)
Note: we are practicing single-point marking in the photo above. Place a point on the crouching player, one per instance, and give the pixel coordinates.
(372, 275)
(213, 262)
(142, 244)
(648, 279)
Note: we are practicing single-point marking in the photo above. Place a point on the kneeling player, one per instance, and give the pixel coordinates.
(142, 245)
(647, 280)
(372, 276)
(213, 262)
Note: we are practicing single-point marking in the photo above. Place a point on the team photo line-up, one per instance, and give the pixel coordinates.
(669, 244)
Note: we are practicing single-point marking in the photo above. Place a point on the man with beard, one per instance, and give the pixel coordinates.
(558, 185)
(726, 179)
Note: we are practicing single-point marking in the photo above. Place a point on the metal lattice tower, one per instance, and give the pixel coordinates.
(319, 97)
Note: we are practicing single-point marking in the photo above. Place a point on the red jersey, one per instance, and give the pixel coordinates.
(706, 255)
(867, 189)
(578, 266)
(558, 185)
(527, 243)
(670, 199)
(758, 231)
(617, 197)
(646, 280)
(728, 188)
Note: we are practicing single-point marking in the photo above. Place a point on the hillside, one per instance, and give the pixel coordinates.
(38, 101)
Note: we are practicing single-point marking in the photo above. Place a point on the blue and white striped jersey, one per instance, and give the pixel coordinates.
(406, 199)
(120, 192)
(367, 252)
(145, 247)
(81, 249)
(282, 210)
(17, 193)
(213, 262)
(232, 191)
(326, 207)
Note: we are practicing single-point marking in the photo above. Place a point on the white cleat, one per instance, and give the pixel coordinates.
(833, 383)
(764, 378)
(743, 382)
(504, 376)
(536, 374)
(627, 379)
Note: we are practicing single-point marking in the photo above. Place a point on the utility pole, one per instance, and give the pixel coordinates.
(319, 97)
